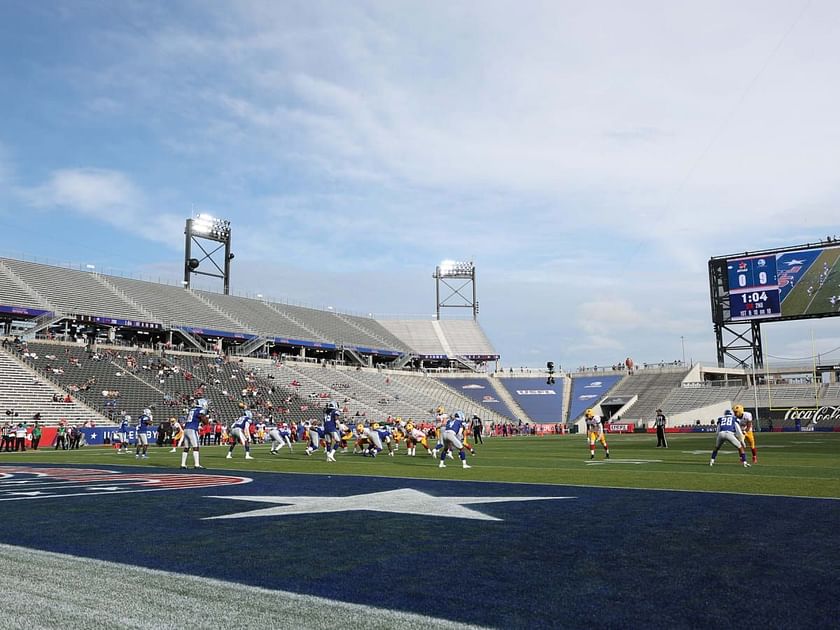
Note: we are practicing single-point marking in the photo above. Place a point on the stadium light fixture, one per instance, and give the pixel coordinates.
(463, 275)
(455, 269)
(201, 228)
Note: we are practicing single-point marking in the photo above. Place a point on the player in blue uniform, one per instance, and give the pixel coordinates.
(241, 432)
(144, 424)
(280, 436)
(122, 434)
(729, 430)
(196, 416)
(316, 433)
(452, 438)
(332, 436)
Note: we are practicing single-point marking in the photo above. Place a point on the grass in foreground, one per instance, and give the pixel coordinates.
(790, 464)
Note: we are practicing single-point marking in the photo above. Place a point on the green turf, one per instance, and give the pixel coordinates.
(798, 302)
(791, 464)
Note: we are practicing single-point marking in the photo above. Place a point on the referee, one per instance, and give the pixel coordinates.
(660, 429)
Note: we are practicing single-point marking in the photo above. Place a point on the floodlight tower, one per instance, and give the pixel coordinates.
(458, 278)
(205, 228)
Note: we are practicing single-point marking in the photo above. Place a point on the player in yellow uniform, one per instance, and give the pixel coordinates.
(595, 433)
(746, 420)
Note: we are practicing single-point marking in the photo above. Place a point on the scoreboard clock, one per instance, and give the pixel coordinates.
(753, 288)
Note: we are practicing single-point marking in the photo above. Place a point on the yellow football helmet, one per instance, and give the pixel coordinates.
(739, 410)
(409, 427)
(375, 425)
(360, 427)
(589, 413)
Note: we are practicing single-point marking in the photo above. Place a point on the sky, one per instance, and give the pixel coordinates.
(589, 158)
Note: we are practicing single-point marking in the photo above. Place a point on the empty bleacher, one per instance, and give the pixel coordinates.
(465, 337)
(173, 306)
(687, 398)
(652, 386)
(73, 292)
(260, 317)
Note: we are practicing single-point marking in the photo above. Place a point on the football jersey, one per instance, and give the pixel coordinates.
(747, 421)
(728, 423)
(193, 419)
(331, 420)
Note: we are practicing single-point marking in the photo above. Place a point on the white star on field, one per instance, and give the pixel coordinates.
(403, 501)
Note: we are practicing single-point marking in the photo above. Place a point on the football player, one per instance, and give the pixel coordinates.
(453, 435)
(144, 423)
(595, 433)
(729, 430)
(332, 437)
(177, 434)
(122, 434)
(280, 436)
(316, 433)
(196, 416)
(242, 434)
(746, 420)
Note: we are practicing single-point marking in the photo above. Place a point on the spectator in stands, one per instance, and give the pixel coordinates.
(660, 423)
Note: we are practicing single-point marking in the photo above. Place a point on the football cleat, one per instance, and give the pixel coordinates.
(712, 463)
(466, 465)
(248, 456)
(441, 465)
(199, 467)
(229, 456)
(746, 464)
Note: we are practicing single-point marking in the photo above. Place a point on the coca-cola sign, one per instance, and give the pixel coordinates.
(821, 414)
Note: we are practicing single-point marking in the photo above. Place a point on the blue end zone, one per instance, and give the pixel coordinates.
(608, 557)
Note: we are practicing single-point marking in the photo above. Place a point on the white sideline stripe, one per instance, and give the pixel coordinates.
(59, 591)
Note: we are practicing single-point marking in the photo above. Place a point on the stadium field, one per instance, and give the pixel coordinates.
(650, 538)
(798, 302)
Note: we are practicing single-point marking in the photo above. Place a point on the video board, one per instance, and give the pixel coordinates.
(784, 284)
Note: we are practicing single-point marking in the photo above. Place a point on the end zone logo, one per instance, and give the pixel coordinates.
(32, 482)
(536, 392)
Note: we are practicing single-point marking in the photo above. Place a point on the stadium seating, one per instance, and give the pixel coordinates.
(260, 317)
(80, 373)
(687, 398)
(27, 394)
(652, 386)
(72, 291)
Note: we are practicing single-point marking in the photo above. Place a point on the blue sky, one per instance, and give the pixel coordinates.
(589, 157)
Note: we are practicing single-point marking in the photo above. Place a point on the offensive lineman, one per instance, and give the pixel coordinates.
(595, 433)
(729, 430)
(280, 436)
(196, 416)
(746, 420)
(242, 434)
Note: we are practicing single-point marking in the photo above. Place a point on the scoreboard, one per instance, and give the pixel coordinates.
(791, 283)
(753, 288)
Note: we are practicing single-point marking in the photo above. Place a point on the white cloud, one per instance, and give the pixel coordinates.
(107, 196)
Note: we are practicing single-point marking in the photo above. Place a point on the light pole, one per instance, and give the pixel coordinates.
(682, 341)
